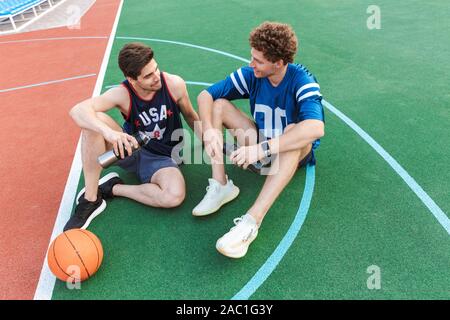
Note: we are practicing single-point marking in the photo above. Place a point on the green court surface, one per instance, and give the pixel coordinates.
(392, 82)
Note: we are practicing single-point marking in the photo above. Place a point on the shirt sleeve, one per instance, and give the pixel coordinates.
(309, 101)
(235, 86)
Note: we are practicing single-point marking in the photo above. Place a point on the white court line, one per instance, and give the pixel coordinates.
(437, 212)
(195, 83)
(187, 45)
(54, 39)
(48, 82)
(47, 280)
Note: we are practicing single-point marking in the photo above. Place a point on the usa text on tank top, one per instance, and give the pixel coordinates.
(158, 118)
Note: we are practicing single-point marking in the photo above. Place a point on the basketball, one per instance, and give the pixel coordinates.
(75, 255)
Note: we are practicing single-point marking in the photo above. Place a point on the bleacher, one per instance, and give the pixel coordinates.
(16, 14)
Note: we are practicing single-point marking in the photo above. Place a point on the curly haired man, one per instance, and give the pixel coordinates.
(286, 125)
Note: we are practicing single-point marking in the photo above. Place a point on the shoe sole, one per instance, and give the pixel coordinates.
(236, 254)
(102, 180)
(94, 214)
(225, 201)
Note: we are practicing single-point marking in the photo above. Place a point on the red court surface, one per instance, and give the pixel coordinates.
(39, 138)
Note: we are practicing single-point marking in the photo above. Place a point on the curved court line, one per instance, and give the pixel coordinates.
(272, 262)
(48, 82)
(195, 83)
(54, 39)
(187, 45)
(437, 212)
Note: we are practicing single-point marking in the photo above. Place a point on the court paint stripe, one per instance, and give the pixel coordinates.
(437, 212)
(46, 284)
(54, 39)
(48, 82)
(272, 262)
(187, 45)
(195, 83)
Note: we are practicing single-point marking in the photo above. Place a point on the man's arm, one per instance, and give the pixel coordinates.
(85, 116)
(301, 134)
(85, 113)
(179, 90)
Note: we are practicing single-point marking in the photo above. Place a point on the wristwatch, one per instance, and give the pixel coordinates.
(266, 148)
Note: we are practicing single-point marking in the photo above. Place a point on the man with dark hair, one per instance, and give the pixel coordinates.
(287, 123)
(151, 102)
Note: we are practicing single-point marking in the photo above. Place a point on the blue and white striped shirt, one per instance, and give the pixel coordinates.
(295, 99)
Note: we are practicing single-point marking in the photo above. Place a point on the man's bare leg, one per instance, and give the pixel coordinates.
(222, 190)
(285, 164)
(92, 146)
(235, 243)
(228, 115)
(158, 192)
(166, 189)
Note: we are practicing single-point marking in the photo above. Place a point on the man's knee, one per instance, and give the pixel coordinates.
(219, 106)
(172, 197)
(88, 134)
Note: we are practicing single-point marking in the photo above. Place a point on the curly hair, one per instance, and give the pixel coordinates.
(133, 57)
(275, 40)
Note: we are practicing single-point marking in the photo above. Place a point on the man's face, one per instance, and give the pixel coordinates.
(150, 77)
(261, 66)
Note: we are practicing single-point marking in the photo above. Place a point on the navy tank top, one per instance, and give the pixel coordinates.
(157, 118)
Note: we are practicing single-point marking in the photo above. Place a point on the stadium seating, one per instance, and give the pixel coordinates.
(10, 9)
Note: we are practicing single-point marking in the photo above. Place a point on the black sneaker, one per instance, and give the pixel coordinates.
(105, 186)
(85, 212)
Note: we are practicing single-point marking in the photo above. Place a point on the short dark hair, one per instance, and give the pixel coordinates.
(133, 57)
(277, 41)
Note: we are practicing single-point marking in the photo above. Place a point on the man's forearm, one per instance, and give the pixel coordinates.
(298, 137)
(195, 124)
(85, 117)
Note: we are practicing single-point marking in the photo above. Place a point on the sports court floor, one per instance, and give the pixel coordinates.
(376, 204)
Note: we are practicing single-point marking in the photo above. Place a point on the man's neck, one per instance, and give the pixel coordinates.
(146, 94)
(276, 78)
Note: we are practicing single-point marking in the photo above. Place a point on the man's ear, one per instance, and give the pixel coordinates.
(131, 80)
(279, 64)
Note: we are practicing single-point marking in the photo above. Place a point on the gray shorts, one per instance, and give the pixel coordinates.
(145, 164)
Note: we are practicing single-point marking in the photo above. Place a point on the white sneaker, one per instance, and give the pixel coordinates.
(234, 243)
(216, 196)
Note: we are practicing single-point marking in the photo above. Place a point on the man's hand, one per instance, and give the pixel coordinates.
(121, 141)
(244, 156)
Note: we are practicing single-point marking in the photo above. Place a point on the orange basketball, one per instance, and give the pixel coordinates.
(75, 255)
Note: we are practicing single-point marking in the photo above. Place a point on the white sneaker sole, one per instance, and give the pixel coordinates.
(231, 197)
(94, 214)
(102, 180)
(235, 254)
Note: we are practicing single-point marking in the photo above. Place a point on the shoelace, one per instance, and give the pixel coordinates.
(210, 191)
(236, 222)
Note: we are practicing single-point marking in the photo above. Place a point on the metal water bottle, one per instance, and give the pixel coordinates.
(109, 157)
